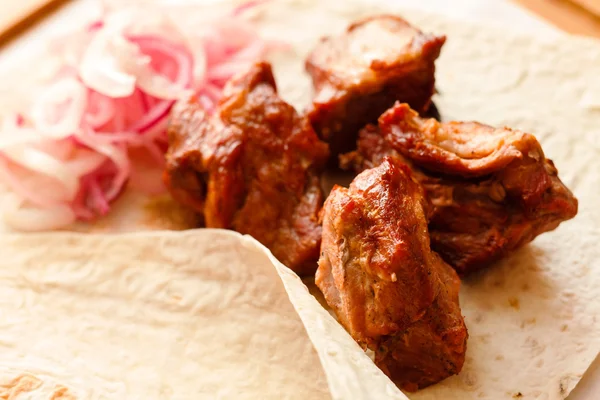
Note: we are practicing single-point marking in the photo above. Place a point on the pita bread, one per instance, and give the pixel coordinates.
(199, 314)
(533, 319)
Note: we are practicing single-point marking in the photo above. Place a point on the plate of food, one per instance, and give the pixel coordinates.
(298, 199)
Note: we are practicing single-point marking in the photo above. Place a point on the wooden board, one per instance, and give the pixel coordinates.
(592, 6)
(18, 15)
(566, 15)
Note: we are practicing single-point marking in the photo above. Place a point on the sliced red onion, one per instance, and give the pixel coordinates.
(97, 198)
(95, 26)
(86, 162)
(62, 150)
(102, 121)
(46, 165)
(153, 116)
(156, 131)
(223, 72)
(100, 110)
(155, 82)
(89, 202)
(24, 218)
(16, 136)
(110, 64)
(59, 110)
(116, 153)
(10, 176)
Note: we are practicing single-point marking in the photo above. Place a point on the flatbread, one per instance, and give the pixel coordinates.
(533, 319)
(200, 314)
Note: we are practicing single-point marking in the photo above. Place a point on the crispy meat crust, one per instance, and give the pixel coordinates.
(252, 166)
(490, 191)
(362, 72)
(387, 287)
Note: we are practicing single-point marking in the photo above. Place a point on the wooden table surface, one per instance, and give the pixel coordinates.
(16, 16)
(579, 17)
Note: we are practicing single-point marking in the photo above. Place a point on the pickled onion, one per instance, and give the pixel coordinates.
(101, 121)
(26, 218)
(162, 53)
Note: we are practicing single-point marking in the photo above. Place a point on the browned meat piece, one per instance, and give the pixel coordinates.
(252, 166)
(361, 73)
(371, 149)
(491, 190)
(377, 272)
